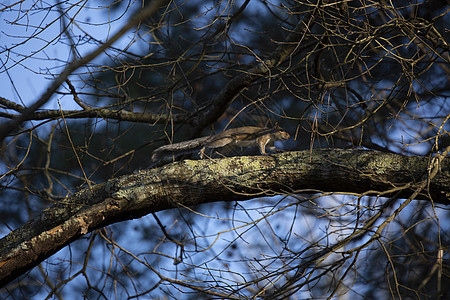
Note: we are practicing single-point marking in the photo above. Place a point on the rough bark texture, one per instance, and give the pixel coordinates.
(190, 183)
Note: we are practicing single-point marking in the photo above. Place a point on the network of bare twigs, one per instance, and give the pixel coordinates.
(134, 75)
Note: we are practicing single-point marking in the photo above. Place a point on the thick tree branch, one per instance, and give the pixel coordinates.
(111, 114)
(190, 183)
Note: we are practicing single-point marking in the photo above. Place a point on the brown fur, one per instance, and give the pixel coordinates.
(262, 137)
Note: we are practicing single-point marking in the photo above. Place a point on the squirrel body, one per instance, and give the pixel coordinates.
(246, 136)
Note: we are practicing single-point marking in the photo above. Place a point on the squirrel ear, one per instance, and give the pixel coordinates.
(276, 126)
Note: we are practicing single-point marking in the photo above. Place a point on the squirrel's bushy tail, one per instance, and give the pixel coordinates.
(169, 153)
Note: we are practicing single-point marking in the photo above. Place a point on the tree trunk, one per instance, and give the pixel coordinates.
(191, 182)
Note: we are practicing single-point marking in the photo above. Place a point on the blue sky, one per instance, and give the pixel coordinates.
(34, 49)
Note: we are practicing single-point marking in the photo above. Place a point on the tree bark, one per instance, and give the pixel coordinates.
(193, 182)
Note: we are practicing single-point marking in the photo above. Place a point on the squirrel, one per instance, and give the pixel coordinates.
(262, 137)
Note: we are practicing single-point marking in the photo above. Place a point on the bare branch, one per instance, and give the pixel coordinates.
(230, 179)
(75, 64)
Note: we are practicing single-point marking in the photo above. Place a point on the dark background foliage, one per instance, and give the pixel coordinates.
(357, 74)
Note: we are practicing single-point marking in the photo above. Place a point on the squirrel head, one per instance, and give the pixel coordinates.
(280, 132)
